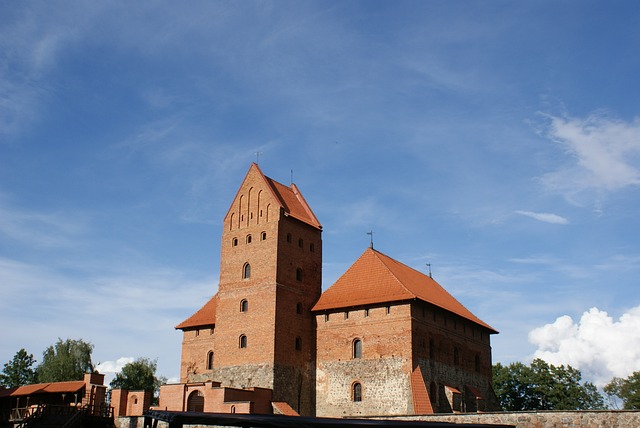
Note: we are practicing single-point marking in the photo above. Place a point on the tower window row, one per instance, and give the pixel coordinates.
(243, 343)
(312, 246)
(246, 272)
(248, 239)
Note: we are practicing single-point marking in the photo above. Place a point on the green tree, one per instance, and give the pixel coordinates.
(139, 375)
(543, 386)
(627, 389)
(19, 371)
(66, 360)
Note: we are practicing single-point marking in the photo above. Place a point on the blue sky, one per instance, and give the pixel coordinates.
(498, 141)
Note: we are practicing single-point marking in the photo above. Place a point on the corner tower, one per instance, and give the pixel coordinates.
(270, 277)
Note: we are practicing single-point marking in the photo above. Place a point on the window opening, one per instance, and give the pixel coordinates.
(234, 242)
(263, 235)
(248, 239)
(244, 305)
(289, 238)
(356, 394)
(243, 341)
(298, 274)
(312, 247)
(357, 348)
(300, 243)
(210, 360)
(299, 308)
(246, 271)
(298, 343)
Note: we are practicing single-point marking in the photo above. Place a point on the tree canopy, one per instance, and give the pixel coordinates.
(19, 371)
(543, 386)
(66, 360)
(138, 375)
(627, 389)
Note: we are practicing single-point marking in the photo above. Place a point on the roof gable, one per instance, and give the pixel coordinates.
(288, 198)
(206, 315)
(376, 279)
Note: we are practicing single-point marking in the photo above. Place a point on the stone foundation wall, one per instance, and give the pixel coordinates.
(560, 419)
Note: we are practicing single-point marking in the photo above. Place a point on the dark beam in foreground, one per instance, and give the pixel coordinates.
(179, 419)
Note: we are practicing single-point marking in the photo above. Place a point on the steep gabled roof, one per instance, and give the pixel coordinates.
(377, 279)
(288, 198)
(206, 315)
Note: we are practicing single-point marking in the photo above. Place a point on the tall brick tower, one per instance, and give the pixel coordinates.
(259, 324)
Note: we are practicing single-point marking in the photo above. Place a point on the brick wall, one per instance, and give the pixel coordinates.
(383, 370)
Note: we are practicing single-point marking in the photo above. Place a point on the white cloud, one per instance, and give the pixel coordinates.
(598, 346)
(113, 366)
(546, 217)
(605, 153)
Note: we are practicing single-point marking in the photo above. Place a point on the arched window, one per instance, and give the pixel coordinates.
(263, 236)
(246, 271)
(356, 391)
(234, 242)
(248, 239)
(299, 308)
(298, 343)
(312, 247)
(210, 360)
(244, 305)
(357, 348)
(242, 342)
(289, 238)
(300, 243)
(233, 409)
(298, 274)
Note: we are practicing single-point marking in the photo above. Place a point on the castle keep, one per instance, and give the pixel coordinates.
(385, 339)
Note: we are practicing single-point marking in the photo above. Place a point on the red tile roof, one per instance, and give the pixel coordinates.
(43, 388)
(376, 279)
(283, 408)
(421, 400)
(206, 315)
(288, 197)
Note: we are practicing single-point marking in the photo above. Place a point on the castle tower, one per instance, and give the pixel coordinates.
(258, 330)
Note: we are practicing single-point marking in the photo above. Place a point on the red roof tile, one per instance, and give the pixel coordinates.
(421, 400)
(283, 408)
(376, 279)
(43, 388)
(206, 315)
(288, 197)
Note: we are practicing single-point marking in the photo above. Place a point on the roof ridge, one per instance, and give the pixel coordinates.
(390, 269)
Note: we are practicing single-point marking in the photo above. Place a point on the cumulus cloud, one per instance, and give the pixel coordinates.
(110, 368)
(605, 153)
(597, 345)
(113, 366)
(546, 217)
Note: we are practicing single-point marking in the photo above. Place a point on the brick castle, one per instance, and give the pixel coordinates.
(385, 339)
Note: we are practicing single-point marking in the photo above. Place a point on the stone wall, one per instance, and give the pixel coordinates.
(560, 419)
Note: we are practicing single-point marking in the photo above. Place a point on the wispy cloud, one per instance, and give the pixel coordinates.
(53, 229)
(604, 153)
(544, 217)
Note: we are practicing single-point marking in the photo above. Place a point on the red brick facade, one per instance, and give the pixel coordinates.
(270, 327)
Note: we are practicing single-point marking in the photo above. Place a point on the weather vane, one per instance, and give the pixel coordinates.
(258, 157)
(370, 233)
